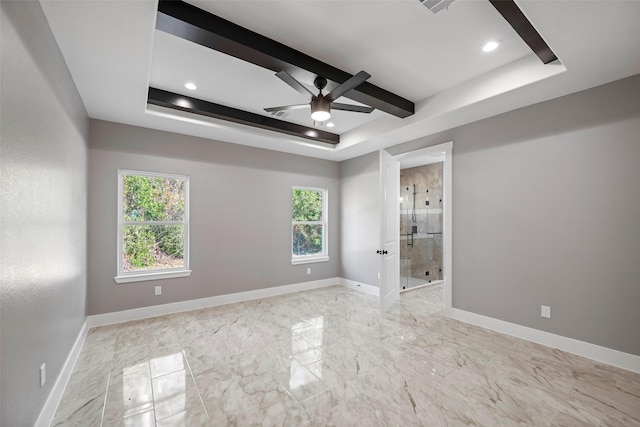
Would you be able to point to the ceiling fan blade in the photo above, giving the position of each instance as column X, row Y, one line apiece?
column 345, row 87
column 286, row 107
column 349, row 107
column 288, row 79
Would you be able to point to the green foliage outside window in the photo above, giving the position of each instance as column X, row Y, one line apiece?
column 307, row 207
column 139, row 243
column 151, row 200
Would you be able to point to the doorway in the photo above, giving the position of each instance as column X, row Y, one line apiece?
column 429, row 260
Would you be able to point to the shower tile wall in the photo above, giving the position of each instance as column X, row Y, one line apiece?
column 426, row 253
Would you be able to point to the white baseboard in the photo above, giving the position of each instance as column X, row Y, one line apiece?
column 362, row 287
column 51, row 405
column 176, row 307
column 609, row 356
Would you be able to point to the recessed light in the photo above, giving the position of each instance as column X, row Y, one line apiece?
column 182, row 102
column 330, row 125
column 491, row 46
column 190, row 86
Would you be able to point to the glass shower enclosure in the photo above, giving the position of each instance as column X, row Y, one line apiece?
column 420, row 225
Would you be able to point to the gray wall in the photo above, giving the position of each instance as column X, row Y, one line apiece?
column 360, row 219
column 43, row 211
column 240, row 213
column 546, row 204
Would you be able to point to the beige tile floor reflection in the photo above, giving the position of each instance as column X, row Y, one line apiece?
column 327, row 357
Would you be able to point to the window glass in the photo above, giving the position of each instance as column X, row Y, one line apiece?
column 309, row 224
column 153, row 226
column 307, row 239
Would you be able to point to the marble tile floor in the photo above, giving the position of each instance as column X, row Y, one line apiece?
column 327, row 357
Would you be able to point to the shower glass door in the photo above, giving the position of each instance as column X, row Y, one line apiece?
column 420, row 225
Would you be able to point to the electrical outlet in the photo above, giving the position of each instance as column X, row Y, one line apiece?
column 545, row 311
column 43, row 375
column 308, row 270
column 158, row 290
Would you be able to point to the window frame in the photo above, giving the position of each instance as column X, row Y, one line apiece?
column 324, row 255
column 157, row 274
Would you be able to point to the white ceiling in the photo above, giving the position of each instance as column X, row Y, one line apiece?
column 114, row 54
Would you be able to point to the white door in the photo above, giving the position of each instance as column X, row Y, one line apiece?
column 389, row 230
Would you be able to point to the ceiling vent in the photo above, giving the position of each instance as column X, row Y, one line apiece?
column 280, row 114
column 436, row 6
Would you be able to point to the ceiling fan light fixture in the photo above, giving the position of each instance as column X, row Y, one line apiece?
column 320, row 109
column 320, row 116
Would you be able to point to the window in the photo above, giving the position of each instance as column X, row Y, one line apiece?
column 308, row 225
column 153, row 226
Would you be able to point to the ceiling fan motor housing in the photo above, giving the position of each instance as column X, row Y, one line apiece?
column 320, row 83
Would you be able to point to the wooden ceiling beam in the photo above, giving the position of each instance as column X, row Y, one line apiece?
column 175, row 101
column 198, row 26
column 514, row 16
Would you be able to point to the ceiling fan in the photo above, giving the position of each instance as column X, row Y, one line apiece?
column 320, row 104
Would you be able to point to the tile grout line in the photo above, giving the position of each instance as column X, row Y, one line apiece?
column 153, row 397
column 106, row 392
column 184, row 354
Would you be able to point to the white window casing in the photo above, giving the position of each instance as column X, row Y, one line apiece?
column 323, row 256
column 159, row 273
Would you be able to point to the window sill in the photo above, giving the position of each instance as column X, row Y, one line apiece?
column 309, row 260
column 158, row 275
